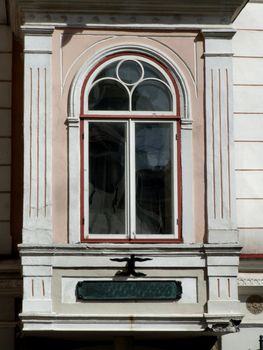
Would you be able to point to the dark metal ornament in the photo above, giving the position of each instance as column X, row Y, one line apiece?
column 129, row 269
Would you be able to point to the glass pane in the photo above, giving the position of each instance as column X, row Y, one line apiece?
column 152, row 72
column 153, row 151
column 130, row 72
column 108, row 72
column 107, row 178
column 151, row 95
column 108, row 95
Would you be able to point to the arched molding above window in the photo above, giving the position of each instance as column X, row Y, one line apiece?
column 74, row 106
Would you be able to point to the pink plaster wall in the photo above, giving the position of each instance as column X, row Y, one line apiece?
column 71, row 49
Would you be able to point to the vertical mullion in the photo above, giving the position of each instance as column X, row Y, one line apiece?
column 175, row 180
column 86, row 178
column 132, row 187
column 127, row 181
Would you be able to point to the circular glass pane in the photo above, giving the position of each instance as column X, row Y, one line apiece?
column 130, row 72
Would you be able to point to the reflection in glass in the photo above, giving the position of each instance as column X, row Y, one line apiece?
column 153, row 151
column 108, row 95
column 151, row 95
column 106, row 178
column 152, row 72
column 130, row 72
column 108, row 72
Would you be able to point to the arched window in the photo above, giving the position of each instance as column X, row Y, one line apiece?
column 130, row 85
column 130, row 135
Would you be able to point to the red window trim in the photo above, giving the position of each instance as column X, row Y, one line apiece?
column 251, row 256
column 175, row 117
column 82, row 114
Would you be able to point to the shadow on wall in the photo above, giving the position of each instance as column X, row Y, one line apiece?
column 41, row 343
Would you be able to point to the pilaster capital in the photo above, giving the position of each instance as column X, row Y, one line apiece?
column 186, row 124
column 37, row 30
column 218, row 33
column 37, row 39
column 72, row 122
column 218, row 42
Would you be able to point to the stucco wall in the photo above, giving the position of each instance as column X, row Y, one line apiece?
column 71, row 49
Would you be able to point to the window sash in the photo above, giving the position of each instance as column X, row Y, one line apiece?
column 130, row 183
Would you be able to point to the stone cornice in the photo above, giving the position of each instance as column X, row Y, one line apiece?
column 180, row 7
column 135, row 13
column 216, row 324
column 124, row 249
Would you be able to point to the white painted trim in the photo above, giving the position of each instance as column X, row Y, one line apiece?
column 130, row 184
column 186, row 140
column 166, row 81
column 121, row 323
column 37, row 199
column 42, row 280
column 86, row 179
column 188, row 230
column 221, row 210
column 74, row 179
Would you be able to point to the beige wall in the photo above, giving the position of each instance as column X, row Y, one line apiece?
column 248, row 121
column 71, row 49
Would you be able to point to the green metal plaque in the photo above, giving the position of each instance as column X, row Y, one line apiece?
column 128, row 290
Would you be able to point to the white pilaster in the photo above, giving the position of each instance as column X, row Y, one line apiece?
column 187, row 181
column 37, row 211
column 74, row 179
column 222, row 272
column 221, row 217
column 37, row 286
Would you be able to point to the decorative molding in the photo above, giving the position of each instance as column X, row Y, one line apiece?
column 37, row 30
column 73, row 122
column 187, row 124
column 210, row 12
column 37, row 52
column 219, row 33
column 180, row 322
column 254, row 304
column 250, row 282
column 61, row 266
column 218, row 54
column 169, row 255
column 191, row 322
column 128, row 22
column 232, row 326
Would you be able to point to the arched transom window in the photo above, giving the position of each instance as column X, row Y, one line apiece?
column 130, row 161
column 132, row 84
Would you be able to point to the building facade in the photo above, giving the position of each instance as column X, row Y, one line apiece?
column 131, row 164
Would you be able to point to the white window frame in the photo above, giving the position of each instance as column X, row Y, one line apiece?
column 136, row 58
column 130, row 183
